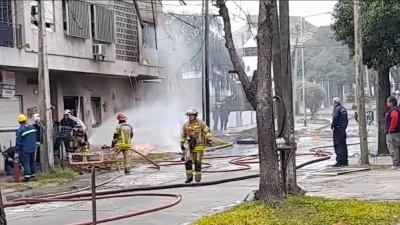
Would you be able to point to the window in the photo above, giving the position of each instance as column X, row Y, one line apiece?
column 148, row 35
column 48, row 14
column 96, row 111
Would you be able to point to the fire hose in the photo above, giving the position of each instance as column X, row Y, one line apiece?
column 242, row 161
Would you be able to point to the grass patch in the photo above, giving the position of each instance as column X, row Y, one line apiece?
column 300, row 210
column 218, row 142
column 57, row 175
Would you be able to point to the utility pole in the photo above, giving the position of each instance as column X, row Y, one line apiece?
column 206, row 75
column 360, row 83
column 294, row 71
column 302, row 72
column 289, row 135
column 46, row 147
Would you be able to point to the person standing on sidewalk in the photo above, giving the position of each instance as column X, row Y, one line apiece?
column 393, row 130
column 339, row 125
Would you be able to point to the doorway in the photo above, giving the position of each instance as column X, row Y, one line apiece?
column 75, row 105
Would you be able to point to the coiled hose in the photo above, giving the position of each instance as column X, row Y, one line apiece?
column 242, row 161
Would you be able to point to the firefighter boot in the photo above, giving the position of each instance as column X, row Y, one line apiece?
column 189, row 171
column 197, row 171
column 127, row 171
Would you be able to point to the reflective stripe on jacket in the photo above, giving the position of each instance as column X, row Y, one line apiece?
column 197, row 129
column 26, row 138
column 124, row 134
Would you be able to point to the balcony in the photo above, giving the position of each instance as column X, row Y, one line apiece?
column 10, row 35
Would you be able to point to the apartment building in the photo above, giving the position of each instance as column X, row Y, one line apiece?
column 99, row 54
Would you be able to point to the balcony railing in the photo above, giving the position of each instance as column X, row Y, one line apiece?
column 10, row 35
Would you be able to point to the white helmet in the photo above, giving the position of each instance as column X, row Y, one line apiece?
column 67, row 112
column 36, row 117
column 191, row 111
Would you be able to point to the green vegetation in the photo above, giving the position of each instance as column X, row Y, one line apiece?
column 56, row 176
column 315, row 95
column 330, row 64
column 216, row 142
column 308, row 211
column 381, row 41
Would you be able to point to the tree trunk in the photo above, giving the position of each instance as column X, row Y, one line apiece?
column 270, row 184
column 3, row 220
column 383, row 93
column 291, row 175
column 258, row 92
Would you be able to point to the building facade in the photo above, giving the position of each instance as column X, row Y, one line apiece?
column 100, row 54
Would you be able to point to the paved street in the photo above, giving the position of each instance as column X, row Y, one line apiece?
column 196, row 202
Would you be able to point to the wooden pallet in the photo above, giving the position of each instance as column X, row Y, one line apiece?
column 83, row 161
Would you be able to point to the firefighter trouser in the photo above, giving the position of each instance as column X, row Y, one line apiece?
column 80, row 146
column 127, row 154
column 196, row 158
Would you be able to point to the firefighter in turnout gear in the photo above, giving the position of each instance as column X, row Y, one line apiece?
column 80, row 144
column 123, row 135
column 194, row 138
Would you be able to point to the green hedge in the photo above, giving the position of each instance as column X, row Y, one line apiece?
column 298, row 210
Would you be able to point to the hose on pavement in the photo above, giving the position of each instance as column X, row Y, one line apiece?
column 242, row 161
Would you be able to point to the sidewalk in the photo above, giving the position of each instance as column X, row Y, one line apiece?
column 378, row 184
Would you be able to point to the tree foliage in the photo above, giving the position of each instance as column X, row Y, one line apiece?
column 380, row 30
column 330, row 63
column 187, row 31
column 315, row 95
column 381, row 41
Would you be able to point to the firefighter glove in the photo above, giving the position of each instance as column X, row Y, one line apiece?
column 113, row 143
column 183, row 148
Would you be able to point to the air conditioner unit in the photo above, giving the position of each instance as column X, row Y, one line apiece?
column 99, row 51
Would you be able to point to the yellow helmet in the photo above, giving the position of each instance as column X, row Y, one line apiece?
column 22, row 118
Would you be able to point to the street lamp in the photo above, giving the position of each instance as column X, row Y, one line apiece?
column 302, row 63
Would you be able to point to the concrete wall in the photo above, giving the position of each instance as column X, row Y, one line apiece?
column 115, row 92
column 67, row 53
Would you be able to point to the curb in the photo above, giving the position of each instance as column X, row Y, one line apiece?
column 212, row 149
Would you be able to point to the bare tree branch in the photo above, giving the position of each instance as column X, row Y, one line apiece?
column 236, row 61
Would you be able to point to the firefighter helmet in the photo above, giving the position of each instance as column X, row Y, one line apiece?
column 121, row 116
column 191, row 111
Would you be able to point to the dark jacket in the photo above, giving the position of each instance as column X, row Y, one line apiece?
column 39, row 132
column 26, row 139
column 389, row 120
column 67, row 122
column 225, row 111
column 340, row 117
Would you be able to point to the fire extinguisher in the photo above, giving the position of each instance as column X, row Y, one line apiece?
column 17, row 171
